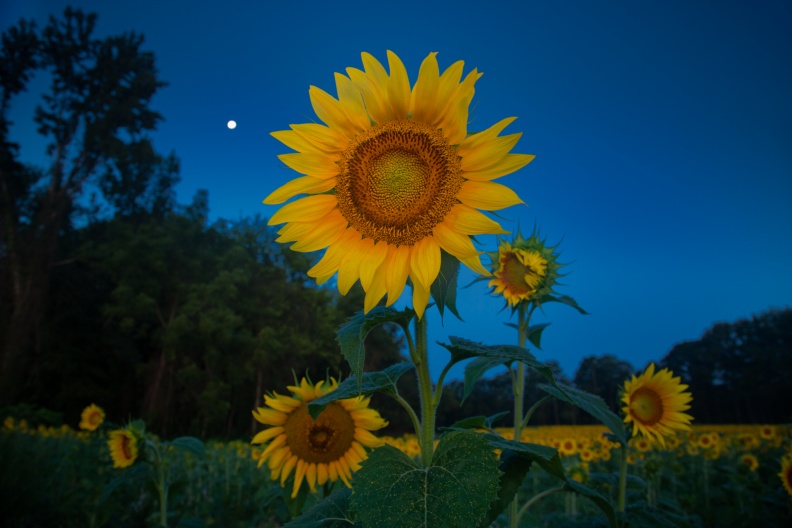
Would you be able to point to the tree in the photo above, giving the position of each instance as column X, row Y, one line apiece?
column 95, row 116
column 603, row 376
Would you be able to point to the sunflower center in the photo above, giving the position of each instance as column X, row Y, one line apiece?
column 646, row 406
column 323, row 440
column 126, row 447
column 521, row 271
column 397, row 181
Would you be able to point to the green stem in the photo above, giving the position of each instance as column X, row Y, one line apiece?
column 533, row 410
column 160, row 483
column 622, row 480
column 421, row 360
column 518, row 388
column 439, row 387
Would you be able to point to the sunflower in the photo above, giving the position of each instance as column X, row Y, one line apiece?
column 524, row 270
column 750, row 461
column 786, row 473
column 326, row 449
column 654, row 402
column 393, row 178
column 92, row 417
column 123, row 445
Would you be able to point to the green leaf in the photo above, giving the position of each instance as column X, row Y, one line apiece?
column 534, row 334
column 189, row 443
column 352, row 334
column 550, row 461
column 477, row 422
column 444, row 288
column 382, row 381
column 514, row 468
column 475, row 370
column 592, row 404
column 134, row 474
column 332, row 512
column 463, row 348
column 393, row 491
column 563, row 299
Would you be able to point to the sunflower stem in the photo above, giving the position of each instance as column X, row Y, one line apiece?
column 622, row 480
column 518, row 387
column 428, row 408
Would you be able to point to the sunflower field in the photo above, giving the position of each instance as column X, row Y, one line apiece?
column 727, row 475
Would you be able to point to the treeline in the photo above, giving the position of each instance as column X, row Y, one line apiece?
column 112, row 292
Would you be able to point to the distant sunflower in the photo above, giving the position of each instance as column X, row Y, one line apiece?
column 786, row 473
column 123, row 445
column 750, row 461
column 91, row 418
column 654, row 402
column 326, row 449
column 393, row 178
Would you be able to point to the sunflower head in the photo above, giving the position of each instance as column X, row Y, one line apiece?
column 654, row 403
column 323, row 450
column 525, row 270
column 124, row 446
column 786, row 473
column 393, row 180
column 91, row 418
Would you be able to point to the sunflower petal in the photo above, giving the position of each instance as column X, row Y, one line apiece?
column 423, row 105
column 489, row 153
column 425, row 261
column 302, row 185
column 509, row 164
column 471, row 222
column 308, row 209
column 396, row 274
column 329, row 110
column 488, row 196
column 327, row 230
column 398, row 87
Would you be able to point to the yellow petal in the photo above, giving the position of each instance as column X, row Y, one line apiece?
column 474, row 263
column 469, row 221
column 454, row 121
column 488, row 196
column 352, row 103
column 318, row 165
column 327, row 230
column 294, row 141
column 510, row 163
column 425, row 261
column 301, row 185
column 420, row 300
column 329, row 110
column 375, row 292
column 266, row 435
column 310, row 476
column 488, row 154
column 398, row 87
column 479, row 139
column 396, row 274
column 448, row 84
column 269, row 416
column 321, row 474
column 324, row 138
column 308, row 209
column 455, row 243
column 424, row 102
column 299, row 474
column 349, row 269
column 366, row 438
column 287, row 469
column 375, row 256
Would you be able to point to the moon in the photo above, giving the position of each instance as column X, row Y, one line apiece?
column 232, row 124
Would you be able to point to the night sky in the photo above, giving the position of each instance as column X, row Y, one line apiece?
column 662, row 133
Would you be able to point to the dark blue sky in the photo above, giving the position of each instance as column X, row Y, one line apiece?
column 662, row 133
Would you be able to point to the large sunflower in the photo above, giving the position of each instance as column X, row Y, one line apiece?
column 326, row 449
column 654, row 402
column 393, row 178
column 786, row 473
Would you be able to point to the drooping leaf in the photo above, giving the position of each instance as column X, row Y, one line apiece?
column 383, row 381
column 393, row 491
column 475, row 370
column 332, row 512
column 563, row 299
column 352, row 334
column 189, row 443
column 505, row 354
column 444, row 288
column 478, row 422
column 534, row 334
column 514, row 468
column 592, row 404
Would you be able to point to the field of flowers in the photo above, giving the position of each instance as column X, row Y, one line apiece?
column 724, row 475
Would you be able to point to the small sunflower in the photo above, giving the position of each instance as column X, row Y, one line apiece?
column 91, row 418
column 750, row 461
column 123, row 445
column 393, row 178
column 524, row 270
column 326, row 449
column 786, row 473
column 654, row 402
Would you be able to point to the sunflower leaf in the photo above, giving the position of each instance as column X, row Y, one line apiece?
column 495, row 354
column 382, row 381
column 563, row 299
column 535, row 334
column 592, row 404
column 189, row 443
column 549, row 460
column 455, row 491
column 332, row 512
column 514, row 468
column 477, row 422
column 444, row 288
column 352, row 334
